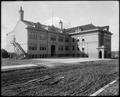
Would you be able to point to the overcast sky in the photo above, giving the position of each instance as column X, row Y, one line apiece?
column 99, row 13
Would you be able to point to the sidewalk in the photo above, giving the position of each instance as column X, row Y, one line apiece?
column 112, row 90
column 50, row 63
column 5, row 68
column 69, row 60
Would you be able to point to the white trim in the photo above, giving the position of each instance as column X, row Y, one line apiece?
column 103, row 88
column 83, row 31
column 17, row 66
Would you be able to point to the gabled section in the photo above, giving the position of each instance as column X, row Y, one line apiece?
column 81, row 28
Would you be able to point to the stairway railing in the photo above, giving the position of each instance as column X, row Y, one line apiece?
column 19, row 50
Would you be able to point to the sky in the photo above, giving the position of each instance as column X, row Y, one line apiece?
column 77, row 13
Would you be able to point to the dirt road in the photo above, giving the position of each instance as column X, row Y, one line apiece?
column 73, row 80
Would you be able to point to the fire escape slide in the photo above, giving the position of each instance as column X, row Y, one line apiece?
column 20, row 50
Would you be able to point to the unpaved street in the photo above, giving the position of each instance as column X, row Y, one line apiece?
column 73, row 80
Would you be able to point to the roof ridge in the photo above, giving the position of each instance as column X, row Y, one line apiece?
column 82, row 26
column 28, row 21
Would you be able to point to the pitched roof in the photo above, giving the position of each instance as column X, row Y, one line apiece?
column 69, row 30
column 45, row 27
column 29, row 23
column 102, row 27
column 87, row 27
column 83, row 27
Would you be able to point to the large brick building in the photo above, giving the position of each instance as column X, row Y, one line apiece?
column 36, row 40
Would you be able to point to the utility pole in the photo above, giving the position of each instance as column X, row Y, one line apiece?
column 52, row 17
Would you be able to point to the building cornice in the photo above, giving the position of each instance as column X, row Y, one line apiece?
column 89, row 31
column 84, row 32
column 46, row 31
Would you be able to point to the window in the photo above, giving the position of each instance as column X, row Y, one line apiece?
column 73, row 48
column 66, row 48
column 67, row 54
column 33, row 35
column 83, row 39
column 60, row 39
column 73, row 54
column 39, row 55
column 83, row 49
column 42, row 48
column 32, row 55
column 42, row 36
column 80, row 29
column 42, row 55
column 73, row 40
column 35, row 55
column 53, row 38
column 60, row 48
column 67, row 40
column 32, row 46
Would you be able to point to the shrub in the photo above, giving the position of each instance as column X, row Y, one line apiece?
column 4, row 53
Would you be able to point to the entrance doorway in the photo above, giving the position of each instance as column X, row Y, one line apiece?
column 52, row 50
column 100, row 54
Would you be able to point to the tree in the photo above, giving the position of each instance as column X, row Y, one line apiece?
column 4, row 53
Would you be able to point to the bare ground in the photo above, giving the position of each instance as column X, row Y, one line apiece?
column 73, row 80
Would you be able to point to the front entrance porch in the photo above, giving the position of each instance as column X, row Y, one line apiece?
column 101, row 52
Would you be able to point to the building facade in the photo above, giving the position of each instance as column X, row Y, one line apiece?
column 39, row 41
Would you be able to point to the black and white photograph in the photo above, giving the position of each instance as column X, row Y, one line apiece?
column 59, row 48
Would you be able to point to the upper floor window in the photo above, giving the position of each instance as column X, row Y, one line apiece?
column 73, row 40
column 83, row 39
column 73, row 48
column 53, row 38
column 67, row 40
column 66, row 48
column 83, row 49
column 60, row 39
column 33, row 36
column 60, row 48
column 42, row 36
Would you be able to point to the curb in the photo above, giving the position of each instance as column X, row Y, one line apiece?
column 15, row 67
column 103, row 88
